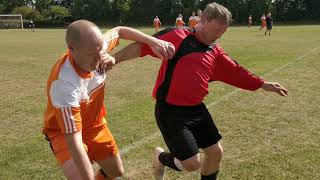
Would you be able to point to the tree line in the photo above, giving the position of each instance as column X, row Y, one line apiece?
column 142, row 12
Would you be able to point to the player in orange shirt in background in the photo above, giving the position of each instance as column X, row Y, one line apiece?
column 179, row 21
column 74, row 121
column 156, row 23
column 199, row 15
column 263, row 21
column 192, row 20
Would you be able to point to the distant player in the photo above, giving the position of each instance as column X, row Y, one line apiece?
column 269, row 22
column 193, row 20
column 199, row 15
column 263, row 21
column 179, row 21
column 31, row 25
column 250, row 21
column 156, row 23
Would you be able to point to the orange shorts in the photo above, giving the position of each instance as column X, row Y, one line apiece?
column 97, row 141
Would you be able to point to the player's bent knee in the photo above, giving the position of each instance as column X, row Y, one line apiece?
column 70, row 171
column 214, row 151
column 192, row 164
column 115, row 172
column 118, row 172
column 218, row 151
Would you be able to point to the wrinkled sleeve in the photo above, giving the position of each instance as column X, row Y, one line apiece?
column 229, row 71
column 66, row 99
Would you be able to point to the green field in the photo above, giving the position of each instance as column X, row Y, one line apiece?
column 265, row 136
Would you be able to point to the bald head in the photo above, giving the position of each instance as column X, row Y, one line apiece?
column 82, row 32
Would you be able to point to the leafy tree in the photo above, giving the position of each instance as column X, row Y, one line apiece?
column 165, row 13
column 2, row 8
column 27, row 12
column 189, row 6
column 78, row 9
column 9, row 5
column 312, row 10
column 43, row 5
column 120, row 10
column 143, row 11
column 58, row 13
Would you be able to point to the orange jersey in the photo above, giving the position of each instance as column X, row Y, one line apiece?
column 179, row 22
column 263, row 21
column 75, row 99
column 156, row 22
column 193, row 21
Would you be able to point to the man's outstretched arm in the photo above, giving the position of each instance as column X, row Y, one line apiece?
column 162, row 49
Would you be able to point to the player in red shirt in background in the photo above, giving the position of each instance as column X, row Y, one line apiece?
column 182, row 83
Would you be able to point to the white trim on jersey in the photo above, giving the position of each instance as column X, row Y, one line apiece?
column 64, row 120
column 108, row 37
column 68, row 119
column 74, row 128
column 70, row 89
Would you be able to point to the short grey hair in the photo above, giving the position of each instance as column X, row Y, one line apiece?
column 75, row 29
column 217, row 12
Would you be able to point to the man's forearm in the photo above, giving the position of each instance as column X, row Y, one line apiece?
column 134, row 35
column 130, row 52
column 79, row 155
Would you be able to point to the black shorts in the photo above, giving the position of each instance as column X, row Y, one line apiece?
column 185, row 129
column 269, row 27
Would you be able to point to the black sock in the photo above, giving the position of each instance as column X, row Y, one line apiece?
column 167, row 159
column 103, row 173
column 210, row 177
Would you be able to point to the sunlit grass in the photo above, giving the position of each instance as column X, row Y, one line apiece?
column 264, row 136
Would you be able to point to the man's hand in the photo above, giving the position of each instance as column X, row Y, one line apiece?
column 106, row 61
column 275, row 87
column 162, row 49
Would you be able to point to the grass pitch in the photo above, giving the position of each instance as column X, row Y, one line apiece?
column 265, row 136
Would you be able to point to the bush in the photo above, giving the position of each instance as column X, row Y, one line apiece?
column 50, row 24
column 58, row 13
column 27, row 12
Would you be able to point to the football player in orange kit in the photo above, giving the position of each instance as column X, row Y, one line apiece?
column 193, row 20
column 156, row 23
column 74, row 121
column 179, row 21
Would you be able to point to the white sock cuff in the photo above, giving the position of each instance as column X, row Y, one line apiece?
column 178, row 164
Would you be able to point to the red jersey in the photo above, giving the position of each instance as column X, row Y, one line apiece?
column 194, row 71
